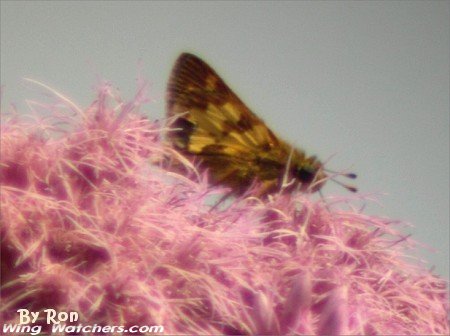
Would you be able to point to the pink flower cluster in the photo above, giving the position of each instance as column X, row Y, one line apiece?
column 93, row 221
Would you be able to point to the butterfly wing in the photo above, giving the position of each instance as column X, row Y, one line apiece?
column 214, row 124
column 211, row 114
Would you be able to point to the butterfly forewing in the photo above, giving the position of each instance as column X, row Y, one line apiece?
column 196, row 92
column 213, row 124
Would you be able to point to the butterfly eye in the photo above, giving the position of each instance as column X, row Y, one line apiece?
column 305, row 174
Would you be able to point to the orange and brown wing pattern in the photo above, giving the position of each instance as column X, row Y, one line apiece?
column 215, row 124
column 211, row 114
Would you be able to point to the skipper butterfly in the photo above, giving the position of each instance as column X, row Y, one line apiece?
column 232, row 143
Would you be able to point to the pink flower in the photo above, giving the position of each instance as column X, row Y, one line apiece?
column 94, row 221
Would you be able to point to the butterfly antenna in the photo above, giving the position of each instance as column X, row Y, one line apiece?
column 346, row 186
column 347, row 175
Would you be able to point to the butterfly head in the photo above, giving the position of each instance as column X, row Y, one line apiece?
column 310, row 174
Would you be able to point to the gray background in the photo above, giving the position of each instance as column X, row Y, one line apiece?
column 367, row 81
